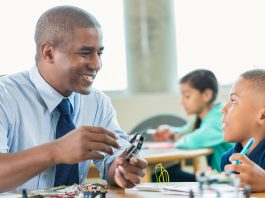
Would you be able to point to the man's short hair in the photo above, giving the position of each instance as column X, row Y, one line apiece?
column 256, row 78
column 57, row 25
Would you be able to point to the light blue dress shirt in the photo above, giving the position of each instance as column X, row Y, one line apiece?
column 28, row 118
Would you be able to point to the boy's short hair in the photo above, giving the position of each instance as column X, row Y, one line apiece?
column 256, row 77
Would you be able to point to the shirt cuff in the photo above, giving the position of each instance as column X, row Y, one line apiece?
column 103, row 165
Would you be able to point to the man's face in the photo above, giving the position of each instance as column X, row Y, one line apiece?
column 240, row 113
column 78, row 62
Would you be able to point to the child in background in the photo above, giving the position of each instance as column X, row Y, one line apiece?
column 199, row 91
column 244, row 118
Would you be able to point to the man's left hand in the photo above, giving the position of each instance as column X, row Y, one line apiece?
column 128, row 174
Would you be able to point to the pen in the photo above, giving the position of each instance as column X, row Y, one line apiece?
column 245, row 149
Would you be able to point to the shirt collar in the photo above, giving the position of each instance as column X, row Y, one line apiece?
column 215, row 108
column 50, row 96
column 255, row 154
column 238, row 147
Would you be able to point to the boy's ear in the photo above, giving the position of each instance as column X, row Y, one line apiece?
column 207, row 95
column 47, row 52
column 261, row 118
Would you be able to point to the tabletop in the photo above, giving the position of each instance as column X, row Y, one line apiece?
column 131, row 193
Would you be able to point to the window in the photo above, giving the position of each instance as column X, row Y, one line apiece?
column 227, row 37
column 17, row 37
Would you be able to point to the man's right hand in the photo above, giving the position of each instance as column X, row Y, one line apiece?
column 83, row 143
column 163, row 133
column 78, row 145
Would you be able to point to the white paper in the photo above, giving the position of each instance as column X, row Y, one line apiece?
column 153, row 187
column 224, row 189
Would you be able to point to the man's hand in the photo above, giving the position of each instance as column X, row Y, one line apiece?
column 78, row 145
column 249, row 172
column 127, row 174
column 163, row 133
column 84, row 143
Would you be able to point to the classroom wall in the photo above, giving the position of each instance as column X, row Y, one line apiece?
column 132, row 109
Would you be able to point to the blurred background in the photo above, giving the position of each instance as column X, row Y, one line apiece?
column 149, row 45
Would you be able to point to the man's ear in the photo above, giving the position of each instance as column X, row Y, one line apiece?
column 261, row 117
column 47, row 52
column 207, row 95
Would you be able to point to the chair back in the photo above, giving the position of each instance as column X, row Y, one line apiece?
column 156, row 120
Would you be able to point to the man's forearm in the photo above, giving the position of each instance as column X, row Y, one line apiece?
column 17, row 168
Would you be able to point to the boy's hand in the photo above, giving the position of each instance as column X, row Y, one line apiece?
column 249, row 172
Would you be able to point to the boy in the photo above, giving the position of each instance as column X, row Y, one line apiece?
column 244, row 118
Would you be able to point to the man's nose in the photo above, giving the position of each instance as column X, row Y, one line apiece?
column 95, row 62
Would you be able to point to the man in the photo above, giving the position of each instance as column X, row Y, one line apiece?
column 52, row 123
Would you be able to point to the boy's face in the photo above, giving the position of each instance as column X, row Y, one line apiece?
column 241, row 112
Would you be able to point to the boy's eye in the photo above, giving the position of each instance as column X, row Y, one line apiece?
column 233, row 101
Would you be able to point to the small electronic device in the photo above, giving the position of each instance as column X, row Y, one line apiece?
column 96, row 190
column 136, row 145
column 225, row 184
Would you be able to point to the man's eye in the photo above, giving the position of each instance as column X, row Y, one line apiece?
column 100, row 53
column 83, row 53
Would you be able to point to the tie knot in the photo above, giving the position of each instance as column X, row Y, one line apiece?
column 65, row 107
